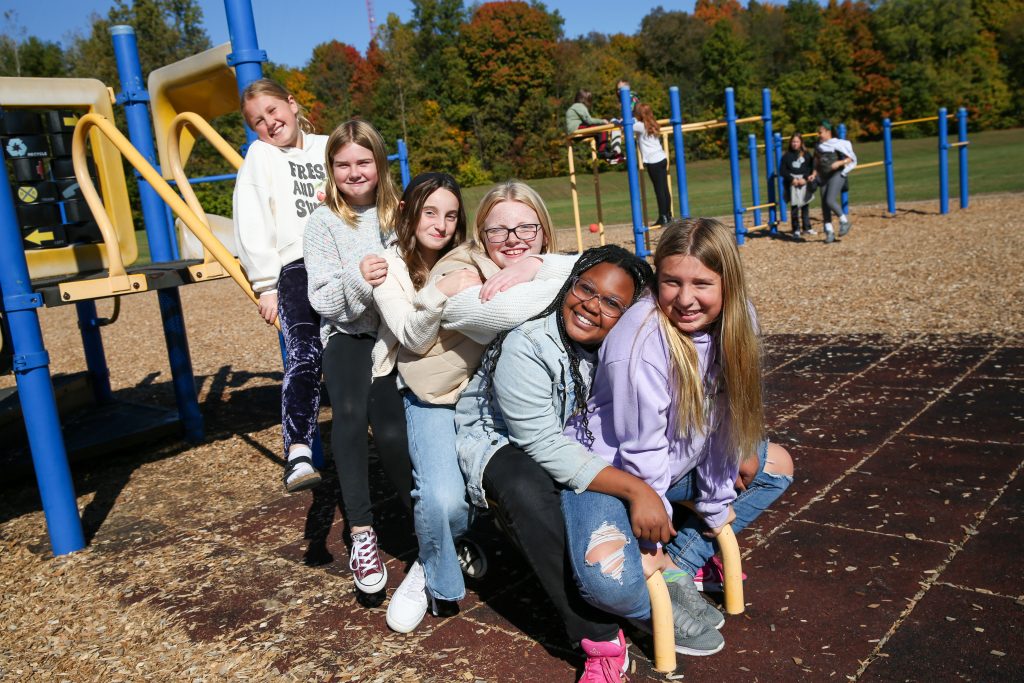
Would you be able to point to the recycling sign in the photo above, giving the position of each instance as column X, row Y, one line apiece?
column 16, row 147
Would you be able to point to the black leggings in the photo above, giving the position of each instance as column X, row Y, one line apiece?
column 659, row 178
column 530, row 510
column 358, row 402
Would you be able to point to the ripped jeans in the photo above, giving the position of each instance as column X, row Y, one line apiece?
column 617, row 584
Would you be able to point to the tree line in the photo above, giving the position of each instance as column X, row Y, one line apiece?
column 481, row 91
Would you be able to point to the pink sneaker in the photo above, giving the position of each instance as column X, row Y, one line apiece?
column 370, row 574
column 711, row 576
column 606, row 662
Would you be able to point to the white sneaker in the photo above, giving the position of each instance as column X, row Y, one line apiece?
column 409, row 603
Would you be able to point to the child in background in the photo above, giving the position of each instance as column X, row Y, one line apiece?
column 343, row 241
column 578, row 116
column 275, row 193
column 684, row 368
column 431, row 222
column 648, row 133
column 833, row 161
column 797, row 170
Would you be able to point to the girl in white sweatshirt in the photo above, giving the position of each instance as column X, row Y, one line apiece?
column 278, row 187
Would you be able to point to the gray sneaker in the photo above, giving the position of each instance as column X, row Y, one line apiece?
column 694, row 635
column 844, row 227
column 830, row 236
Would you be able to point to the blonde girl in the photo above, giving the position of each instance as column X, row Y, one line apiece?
column 684, row 367
column 343, row 241
column 274, row 195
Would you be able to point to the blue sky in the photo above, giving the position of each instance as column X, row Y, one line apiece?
column 288, row 38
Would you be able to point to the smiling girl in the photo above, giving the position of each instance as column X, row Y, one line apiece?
column 272, row 201
column 343, row 241
column 677, row 403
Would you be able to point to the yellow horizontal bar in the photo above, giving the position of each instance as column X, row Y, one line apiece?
column 761, row 206
column 960, row 144
column 894, row 124
column 868, row 165
column 748, row 119
column 758, row 227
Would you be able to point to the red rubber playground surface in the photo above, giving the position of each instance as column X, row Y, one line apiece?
column 895, row 555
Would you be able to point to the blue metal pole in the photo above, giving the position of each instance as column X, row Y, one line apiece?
column 35, row 390
column 755, row 180
column 92, row 343
column 780, row 185
column 943, row 162
column 771, row 170
column 246, row 55
column 403, row 162
column 134, row 98
column 841, row 129
column 677, row 142
column 961, row 117
column 734, row 163
column 890, row 179
column 639, row 229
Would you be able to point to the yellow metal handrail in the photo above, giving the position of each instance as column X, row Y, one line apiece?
column 199, row 125
column 118, row 276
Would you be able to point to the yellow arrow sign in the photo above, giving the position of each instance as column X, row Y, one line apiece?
column 37, row 237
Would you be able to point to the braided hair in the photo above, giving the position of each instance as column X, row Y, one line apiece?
column 643, row 277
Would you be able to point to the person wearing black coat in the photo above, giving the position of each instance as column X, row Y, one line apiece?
column 799, row 178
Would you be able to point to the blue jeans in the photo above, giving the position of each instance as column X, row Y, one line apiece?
column 621, row 589
column 440, row 507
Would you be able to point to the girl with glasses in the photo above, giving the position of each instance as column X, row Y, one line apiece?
column 511, row 448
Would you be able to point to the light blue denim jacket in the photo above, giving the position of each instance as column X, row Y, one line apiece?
column 527, row 404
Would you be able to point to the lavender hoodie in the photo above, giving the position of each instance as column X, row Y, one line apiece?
column 632, row 409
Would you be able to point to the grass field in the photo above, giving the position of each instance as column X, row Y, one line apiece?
column 994, row 166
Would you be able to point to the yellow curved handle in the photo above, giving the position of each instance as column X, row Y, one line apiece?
column 733, row 569
column 199, row 125
column 662, row 627
column 115, row 264
column 194, row 223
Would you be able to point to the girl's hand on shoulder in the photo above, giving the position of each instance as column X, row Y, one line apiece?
column 714, row 531
column 457, row 281
column 509, row 277
column 649, row 518
column 268, row 307
column 374, row 269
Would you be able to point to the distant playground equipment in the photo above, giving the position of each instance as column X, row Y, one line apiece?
column 772, row 157
column 63, row 241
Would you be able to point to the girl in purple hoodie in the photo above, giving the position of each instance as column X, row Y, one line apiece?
column 677, row 402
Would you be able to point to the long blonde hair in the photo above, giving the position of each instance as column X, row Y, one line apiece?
column 739, row 346
column 266, row 86
column 365, row 135
column 514, row 190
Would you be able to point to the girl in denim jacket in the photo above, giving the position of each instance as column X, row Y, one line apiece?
column 509, row 424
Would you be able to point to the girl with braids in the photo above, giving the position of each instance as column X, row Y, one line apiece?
column 677, row 402
column 511, row 448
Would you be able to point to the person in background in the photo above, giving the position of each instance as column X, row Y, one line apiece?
column 798, row 176
column 833, row 161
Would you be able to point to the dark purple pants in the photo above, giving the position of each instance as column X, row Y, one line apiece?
column 300, row 327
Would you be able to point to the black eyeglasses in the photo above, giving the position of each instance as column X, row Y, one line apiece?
column 526, row 232
column 584, row 291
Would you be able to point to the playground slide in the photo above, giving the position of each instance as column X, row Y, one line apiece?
column 118, row 281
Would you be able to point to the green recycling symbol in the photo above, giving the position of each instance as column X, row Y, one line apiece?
column 16, row 147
